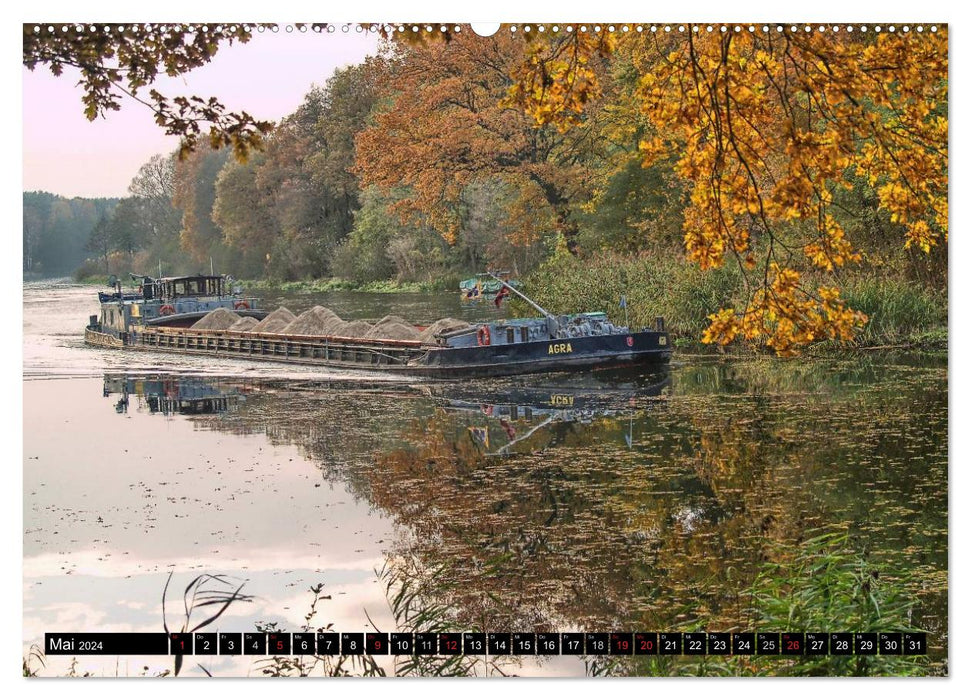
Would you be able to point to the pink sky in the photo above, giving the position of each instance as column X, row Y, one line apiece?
column 66, row 154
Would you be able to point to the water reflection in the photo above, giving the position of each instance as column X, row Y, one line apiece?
column 625, row 502
column 175, row 395
column 547, row 503
column 499, row 419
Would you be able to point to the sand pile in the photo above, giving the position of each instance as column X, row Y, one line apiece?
column 392, row 319
column 216, row 320
column 442, row 325
column 316, row 321
column 275, row 322
column 353, row 329
column 246, row 323
column 388, row 328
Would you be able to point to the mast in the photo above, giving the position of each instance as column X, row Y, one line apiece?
column 522, row 296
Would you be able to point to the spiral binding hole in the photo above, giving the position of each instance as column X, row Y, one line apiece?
column 526, row 29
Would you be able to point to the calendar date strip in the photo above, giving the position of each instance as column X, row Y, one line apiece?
column 488, row 643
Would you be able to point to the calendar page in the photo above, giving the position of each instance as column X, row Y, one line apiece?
column 533, row 349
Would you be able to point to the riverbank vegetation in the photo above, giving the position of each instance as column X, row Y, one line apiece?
column 775, row 192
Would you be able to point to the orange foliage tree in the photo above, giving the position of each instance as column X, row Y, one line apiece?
column 447, row 124
column 765, row 126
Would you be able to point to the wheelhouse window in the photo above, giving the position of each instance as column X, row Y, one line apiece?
column 192, row 287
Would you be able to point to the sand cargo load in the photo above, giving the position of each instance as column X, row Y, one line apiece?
column 204, row 315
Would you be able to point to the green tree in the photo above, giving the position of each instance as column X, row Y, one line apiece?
column 57, row 229
column 195, row 195
column 241, row 213
column 129, row 227
column 154, row 187
column 364, row 255
column 99, row 242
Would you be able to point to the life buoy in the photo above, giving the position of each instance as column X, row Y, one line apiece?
column 241, row 305
column 483, row 336
column 166, row 310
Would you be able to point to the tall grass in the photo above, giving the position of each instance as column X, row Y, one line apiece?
column 215, row 593
column 653, row 285
column 901, row 312
column 823, row 584
column 826, row 583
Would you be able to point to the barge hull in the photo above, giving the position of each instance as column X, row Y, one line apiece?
column 404, row 357
column 559, row 355
column 102, row 340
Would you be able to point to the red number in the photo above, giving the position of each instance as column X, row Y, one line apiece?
column 377, row 644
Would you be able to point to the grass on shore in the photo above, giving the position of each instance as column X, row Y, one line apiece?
column 901, row 313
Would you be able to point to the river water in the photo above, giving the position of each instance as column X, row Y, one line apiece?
column 601, row 502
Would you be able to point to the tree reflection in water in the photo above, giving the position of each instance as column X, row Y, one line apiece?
column 640, row 502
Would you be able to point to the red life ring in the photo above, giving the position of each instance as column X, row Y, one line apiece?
column 241, row 305
column 483, row 336
column 166, row 310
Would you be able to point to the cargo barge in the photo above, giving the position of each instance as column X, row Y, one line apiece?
column 159, row 315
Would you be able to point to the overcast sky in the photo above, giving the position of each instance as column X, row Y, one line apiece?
column 66, row 154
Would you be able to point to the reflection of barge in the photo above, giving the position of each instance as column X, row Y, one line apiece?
column 169, row 395
column 157, row 318
column 502, row 421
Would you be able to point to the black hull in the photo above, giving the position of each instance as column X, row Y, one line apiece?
column 564, row 355
column 411, row 359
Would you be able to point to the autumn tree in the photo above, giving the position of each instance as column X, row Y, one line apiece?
column 195, row 194
column 113, row 61
column 766, row 129
column 446, row 125
column 294, row 204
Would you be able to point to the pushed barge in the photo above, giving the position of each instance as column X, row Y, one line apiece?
column 156, row 318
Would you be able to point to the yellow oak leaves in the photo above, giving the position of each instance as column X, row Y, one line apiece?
column 768, row 125
column 766, row 128
column 783, row 316
column 556, row 81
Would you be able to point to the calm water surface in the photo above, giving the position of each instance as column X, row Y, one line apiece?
column 596, row 502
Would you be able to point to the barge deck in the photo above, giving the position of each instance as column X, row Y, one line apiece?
column 403, row 356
